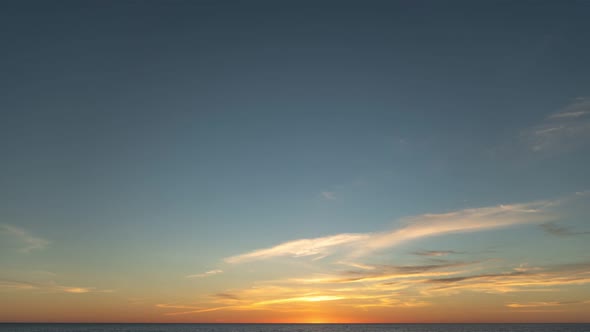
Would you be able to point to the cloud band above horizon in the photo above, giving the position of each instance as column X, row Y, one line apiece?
column 426, row 225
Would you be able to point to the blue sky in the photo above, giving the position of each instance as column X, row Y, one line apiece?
column 154, row 140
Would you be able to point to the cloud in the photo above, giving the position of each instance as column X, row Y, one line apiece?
column 543, row 304
column 534, row 279
column 50, row 286
column 83, row 290
column 351, row 279
column 435, row 253
column 16, row 285
column 205, row 274
column 554, row 229
column 391, row 286
column 387, row 272
column 227, row 296
column 301, row 248
column 329, row 195
column 29, row 241
column 427, row 225
column 563, row 130
column 293, row 299
column 580, row 107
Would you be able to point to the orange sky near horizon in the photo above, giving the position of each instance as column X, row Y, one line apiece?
column 454, row 309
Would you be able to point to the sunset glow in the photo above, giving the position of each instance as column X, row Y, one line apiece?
column 295, row 161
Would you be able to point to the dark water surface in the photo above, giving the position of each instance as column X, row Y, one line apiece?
column 9, row 327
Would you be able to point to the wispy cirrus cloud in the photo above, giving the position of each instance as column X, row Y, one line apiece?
column 519, row 305
column 532, row 279
column 302, row 248
column 435, row 253
column 381, row 273
column 554, row 229
column 82, row 290
column 329, row 195
column 580, row 107
column 391, row 286
column 564, row 130
column 16, row 285
column 205, row 274
column 427, row 225
column 49, row 286
column 29, row 242
column 352, row 279
column 227, row 296
column 293, row 299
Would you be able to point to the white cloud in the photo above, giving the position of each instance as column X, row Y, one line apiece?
column 302, row 247
column 29, row 241
column 330, row 195
column 205, row 274
column 468, row 220
column 580, row 107
column 427, row 225
column 563, row 130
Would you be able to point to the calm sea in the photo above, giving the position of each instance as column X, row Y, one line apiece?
column 294, row 327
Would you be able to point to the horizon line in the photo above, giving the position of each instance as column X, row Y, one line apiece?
column 327, row 323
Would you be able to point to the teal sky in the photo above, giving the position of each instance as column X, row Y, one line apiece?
column 146, row 141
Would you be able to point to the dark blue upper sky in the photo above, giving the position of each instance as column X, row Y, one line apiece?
column 283, row 118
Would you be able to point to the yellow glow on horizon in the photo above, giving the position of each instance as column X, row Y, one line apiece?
column 77, row 290
column 309, row 291
column 318, row 298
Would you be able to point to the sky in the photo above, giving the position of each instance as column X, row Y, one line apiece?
column 294, row 161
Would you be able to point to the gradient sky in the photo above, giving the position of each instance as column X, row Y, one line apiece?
column 294, row 161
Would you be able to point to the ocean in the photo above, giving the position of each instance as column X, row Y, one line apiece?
column 10, row 327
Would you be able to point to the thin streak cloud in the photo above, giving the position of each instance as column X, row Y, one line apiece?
column 205, row 274
column 397, row 286
column 388, row 272
column 52, row 287
column 554, row 229
column 302, row 247
column 543, row 304
column 580, row 107
column 29, row 241
column 427, row 225
column 435, row 253
column 561, row 131
column 542, row 279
